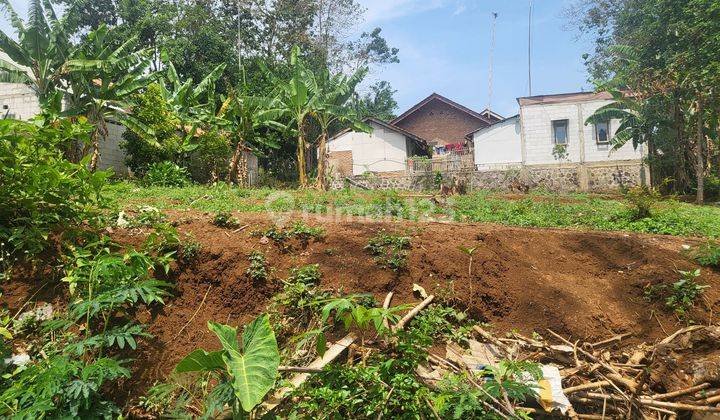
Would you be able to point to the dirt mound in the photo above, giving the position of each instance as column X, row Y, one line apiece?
column 585, row 285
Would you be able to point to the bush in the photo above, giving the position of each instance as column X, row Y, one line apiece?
column 641, row 200
column 152, row 111
column 42, row 192
column 166, row 174
column 708, row 254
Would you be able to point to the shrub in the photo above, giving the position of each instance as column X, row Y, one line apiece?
column 708, row 254
column 42, row 192
column 152, row 110
column 166, row 174
column 684, row 292
column 225, row 219
column 641, row 200
column 390, row 251
column 257, row 270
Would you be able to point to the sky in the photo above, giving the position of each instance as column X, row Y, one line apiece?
column 445, row 48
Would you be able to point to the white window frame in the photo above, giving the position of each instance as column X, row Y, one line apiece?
column 567, row 131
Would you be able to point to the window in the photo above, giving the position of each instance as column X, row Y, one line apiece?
column 602, row 132
column 560, row 131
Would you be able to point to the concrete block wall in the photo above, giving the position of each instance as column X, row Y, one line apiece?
column 20, row 100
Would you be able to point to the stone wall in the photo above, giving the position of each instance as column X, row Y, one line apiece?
column 610, row 176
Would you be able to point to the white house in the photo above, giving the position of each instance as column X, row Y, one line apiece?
column 384, row 150
column 550, row 133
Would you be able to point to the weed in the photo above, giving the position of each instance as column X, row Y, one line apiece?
column 147, row 216
column 469, row 252
column 298, row 230
column 708, row 254
column 164, row 239
column 225, row 219
column 189, row 248
column 257, row 270
column 684, row 292
column 641, row 200
column 390, row 251
column 681, row 295
column 438, row 321
column 166, row 174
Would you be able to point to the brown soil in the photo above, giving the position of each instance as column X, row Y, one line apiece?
column 585, row 285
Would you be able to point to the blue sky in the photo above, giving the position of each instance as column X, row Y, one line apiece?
column 444, row 48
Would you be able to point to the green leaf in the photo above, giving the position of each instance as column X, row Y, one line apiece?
column 201, row 361
column 253, row 371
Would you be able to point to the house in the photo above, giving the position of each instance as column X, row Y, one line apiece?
column 383, row 151
column 443, row 122
column 549, row 136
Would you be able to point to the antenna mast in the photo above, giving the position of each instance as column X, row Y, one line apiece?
column 529, row 48
column 492, row 50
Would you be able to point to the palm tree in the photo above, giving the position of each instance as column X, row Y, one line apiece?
column 38, row 58
column 331, row 94
column 101, row 82
column 295, row 99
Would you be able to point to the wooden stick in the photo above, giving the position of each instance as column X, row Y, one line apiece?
column 489, row 337
column 583, row 387
column 386, row 305
column 414, row 311
column 299, row 369
column 330, row 355
column 681, row 392
column 615, row 376
column 710, row 400
column 681, row 331
column 611, row 340
column 679, row 406
column 706, row 394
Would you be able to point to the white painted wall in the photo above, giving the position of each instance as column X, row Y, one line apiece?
column 537, row 126
column 382, row 150
column 23, row 104
column 499, row 145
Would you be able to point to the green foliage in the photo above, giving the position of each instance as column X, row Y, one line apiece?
column 641, row 200
column 708, row 254
column 442, row 322
column 42, row 192
column 685, row 292
column 300, row 294
column 257, row 269
column 166, row 174
column 189, row 248
column 298, row 230
column 360, row 311
column 250, row 366
column 142, row 154
column 679, row 296
column 225, row 219
column 390, row 251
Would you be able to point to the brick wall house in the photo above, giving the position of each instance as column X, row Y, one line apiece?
column 441, row 121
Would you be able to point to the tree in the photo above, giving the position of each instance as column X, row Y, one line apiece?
column 245, row 117
column 379, row 102
column 39, row 55
column 294, row 96
column 102, row 82
column 331, row 94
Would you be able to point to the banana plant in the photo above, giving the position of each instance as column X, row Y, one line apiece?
column 295, row 98
column 245, row 116
column 102, row 81
column 331, row 93
column 250, row 366
column 630, row 111
column 38, row 57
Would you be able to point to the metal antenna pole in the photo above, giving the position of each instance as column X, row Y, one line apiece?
column 492, row 50
column 529, row 48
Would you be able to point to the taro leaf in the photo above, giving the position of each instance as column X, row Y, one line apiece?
column 254, row 368
column 200, row 361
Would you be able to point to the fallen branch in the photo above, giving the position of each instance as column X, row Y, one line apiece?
column 332, row 353
column 681, row 392
column 583, row 387
column 386, row 305
column 299, row 369
column 193, row 315
column 611, row 340
column 681, row 331
column 414, row 311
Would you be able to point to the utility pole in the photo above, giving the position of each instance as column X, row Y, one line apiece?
column 492, row 50
column 529, row 48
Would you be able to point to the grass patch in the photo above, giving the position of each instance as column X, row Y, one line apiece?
column 538, row 209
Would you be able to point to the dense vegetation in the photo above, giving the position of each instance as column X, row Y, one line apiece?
column 661, row 61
